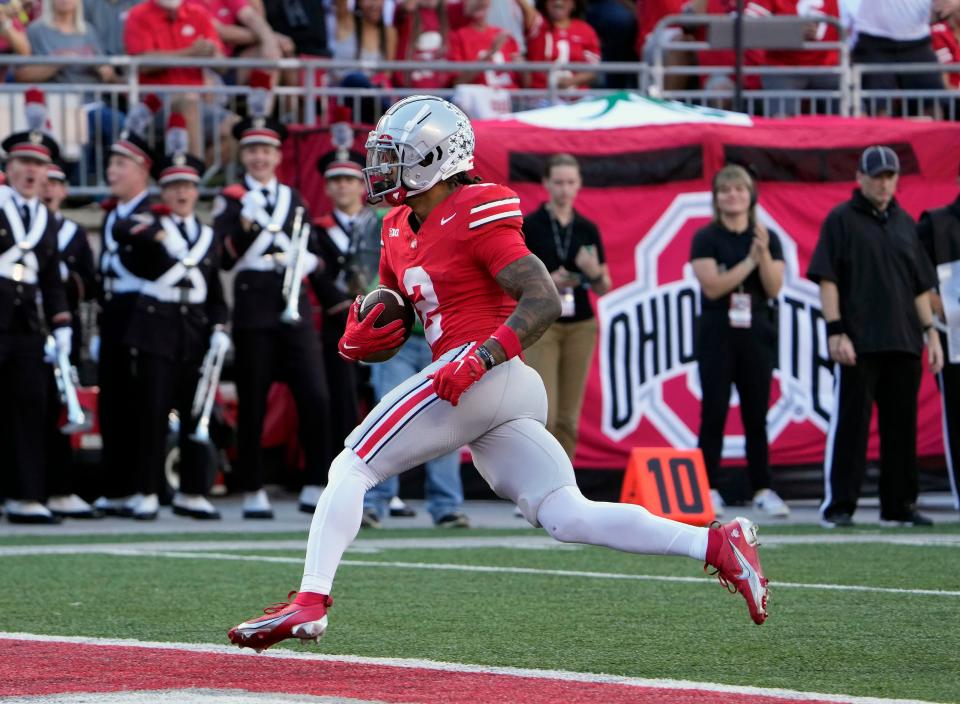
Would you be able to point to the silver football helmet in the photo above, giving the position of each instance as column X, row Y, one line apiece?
column 418, row 142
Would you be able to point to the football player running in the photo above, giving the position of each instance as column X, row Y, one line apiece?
column 455, row 248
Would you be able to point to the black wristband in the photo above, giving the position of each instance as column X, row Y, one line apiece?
column 484, row 354
column 928, row 327
column 834, row 327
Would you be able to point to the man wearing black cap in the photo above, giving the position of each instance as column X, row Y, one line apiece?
column 180, row 312
column 79, row 276
column 128, row 173
column 349, row 241
column 255, row 221
column 939, row 232
column 874, row 290
column 29, row 264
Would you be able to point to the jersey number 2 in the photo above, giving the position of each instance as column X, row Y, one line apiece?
column 419, row 286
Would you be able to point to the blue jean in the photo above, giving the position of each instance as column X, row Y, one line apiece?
column 444, row 488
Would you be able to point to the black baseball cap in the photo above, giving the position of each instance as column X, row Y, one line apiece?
column 877, row 160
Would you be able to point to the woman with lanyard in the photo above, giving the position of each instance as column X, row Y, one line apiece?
column 739, row 264
column 570, row 247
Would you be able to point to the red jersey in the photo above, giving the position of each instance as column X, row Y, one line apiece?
column 726, row 57
column 448, row 267
column 649, row 12
column 426, row 47
column 151, row 28
column 947, row 47
column 577, row 42
column 824, row 32
column 471, row 44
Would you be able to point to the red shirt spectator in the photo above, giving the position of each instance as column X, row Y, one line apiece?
column 423, row 30
column 649, row 12
column 818, row 32
column 187, row 30
column 479, row 41
column 726, row 57
column 574, row 41
column 947, row 47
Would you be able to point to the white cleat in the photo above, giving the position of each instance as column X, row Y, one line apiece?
column 767, row 501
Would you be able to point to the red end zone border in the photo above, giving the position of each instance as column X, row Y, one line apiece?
column 47, row 665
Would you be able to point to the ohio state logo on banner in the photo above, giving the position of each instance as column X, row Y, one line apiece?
column 648, row 367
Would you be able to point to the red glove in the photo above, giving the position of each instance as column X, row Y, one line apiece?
column 361, row 339
column 453, row 378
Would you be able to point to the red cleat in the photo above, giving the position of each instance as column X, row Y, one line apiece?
column 732, row 551
column 305, row 618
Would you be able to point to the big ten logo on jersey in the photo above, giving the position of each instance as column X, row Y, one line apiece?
column 648, row 362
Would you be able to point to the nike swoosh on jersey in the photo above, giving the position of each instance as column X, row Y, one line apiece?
column 445, row 220
column 350, row 347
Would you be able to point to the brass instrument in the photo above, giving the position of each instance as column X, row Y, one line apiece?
column 66, row 378
column 293, row 273
column 206, row 393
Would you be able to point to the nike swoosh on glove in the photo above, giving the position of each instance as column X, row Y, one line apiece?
column 361, row 339
column 453, row 378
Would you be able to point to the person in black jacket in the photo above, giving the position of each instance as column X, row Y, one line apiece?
column 79, row 279
column 939, row 232
column 739, row 264
column 349, row 243
column 128, row 173
column 255, row 221
column 875, row 282
column 180, row 312
column 29, row 265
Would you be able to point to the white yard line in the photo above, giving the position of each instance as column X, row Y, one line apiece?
column 514, row 542
column 564, row 675
column 131, row 551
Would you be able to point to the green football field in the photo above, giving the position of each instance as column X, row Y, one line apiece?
column 866, row 612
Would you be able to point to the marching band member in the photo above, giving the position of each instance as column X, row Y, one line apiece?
column 78, row 274
column 128, row 173
column 29, row 264
column 179, row 312
column 256, row 221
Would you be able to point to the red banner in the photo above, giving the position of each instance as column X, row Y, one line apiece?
column 647, row 188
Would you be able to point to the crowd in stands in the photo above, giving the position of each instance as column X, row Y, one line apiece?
column 499, row 31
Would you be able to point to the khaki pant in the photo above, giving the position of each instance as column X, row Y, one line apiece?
column 562, row 358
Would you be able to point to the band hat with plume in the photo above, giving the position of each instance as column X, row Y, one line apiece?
column 132, row 142
column 258, row 127
column 178, row 164
column 34, row 143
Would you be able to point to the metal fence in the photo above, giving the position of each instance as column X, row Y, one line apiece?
column 87, row 117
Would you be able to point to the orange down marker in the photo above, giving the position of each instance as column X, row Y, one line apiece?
column 669, row 483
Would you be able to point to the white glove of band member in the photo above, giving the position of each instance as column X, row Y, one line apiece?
column 94, row 348
column 220, row 341
column 64, row 339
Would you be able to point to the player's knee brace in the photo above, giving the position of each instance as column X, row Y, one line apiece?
column 348, row 464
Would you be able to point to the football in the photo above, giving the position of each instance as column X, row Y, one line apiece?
column 396, row 307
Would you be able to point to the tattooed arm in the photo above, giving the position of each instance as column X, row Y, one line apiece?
column 538, row 303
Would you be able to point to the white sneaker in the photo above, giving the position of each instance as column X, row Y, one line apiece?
column 123, row 506
column 147, row 508
column 309, row 496
column 72, row 506
column 194, row 506
column 766, row 500
column 28, row 512
column 719, row 507
column 257, row 505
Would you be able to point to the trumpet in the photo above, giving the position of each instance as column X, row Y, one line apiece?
column 293, row 273
column 206, row 393
column 65, row 375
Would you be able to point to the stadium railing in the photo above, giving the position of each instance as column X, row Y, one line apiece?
column 86, row 131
